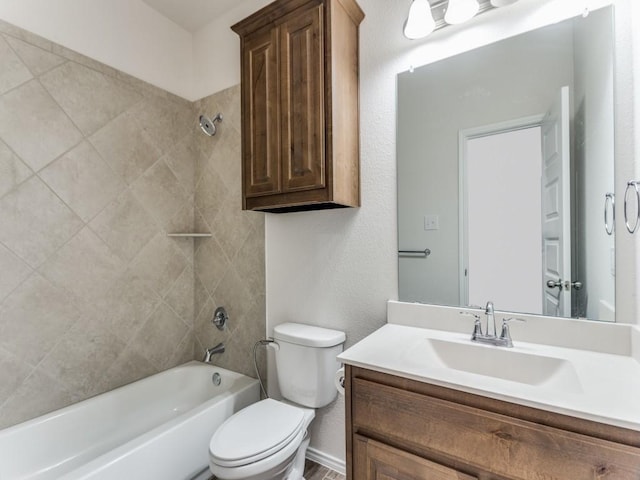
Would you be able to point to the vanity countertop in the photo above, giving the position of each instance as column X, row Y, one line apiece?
column 593, row 385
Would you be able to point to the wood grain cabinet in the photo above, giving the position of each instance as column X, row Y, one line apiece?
column 300, row 127
column 403, row 429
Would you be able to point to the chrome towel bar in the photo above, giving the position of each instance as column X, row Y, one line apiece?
column 415, row 253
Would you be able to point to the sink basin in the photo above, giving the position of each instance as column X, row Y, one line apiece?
column 496, row 362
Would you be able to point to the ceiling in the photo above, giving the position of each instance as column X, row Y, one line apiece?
column 192, row 14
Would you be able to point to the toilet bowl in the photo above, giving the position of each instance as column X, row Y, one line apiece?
column 268, row 440
column 261, row 442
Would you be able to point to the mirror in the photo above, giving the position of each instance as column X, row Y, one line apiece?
column 505, row 169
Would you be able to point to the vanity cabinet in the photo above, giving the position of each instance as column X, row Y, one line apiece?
column 403, row 429
column 300, row 127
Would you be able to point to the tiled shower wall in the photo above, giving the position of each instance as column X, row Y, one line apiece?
column 96, row 168
column 230, row 268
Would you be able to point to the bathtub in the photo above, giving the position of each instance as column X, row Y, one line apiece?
column 157, row 429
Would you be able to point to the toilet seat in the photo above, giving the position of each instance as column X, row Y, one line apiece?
column 257, row 432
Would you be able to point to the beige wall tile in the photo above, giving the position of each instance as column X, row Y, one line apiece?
column 166, row 122
column 12, row 71
column 125, row 226
column 85, row 267
column 90, row 98
column 14, row 272
column 12, row 170
column 33, row 318
column 159, row 191
column 35, row 223
column 211, row 264
column 83, row 180
column 181, row 161
column 79, row 360
column 159, row 336
column 37, row 395
column 125, row 146
column 12, row 373
column 180, row 298
column 34, row 126
column 126, row 306
column 37, row 60
column 159, row 264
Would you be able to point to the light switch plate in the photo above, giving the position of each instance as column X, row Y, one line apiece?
column 431, row 222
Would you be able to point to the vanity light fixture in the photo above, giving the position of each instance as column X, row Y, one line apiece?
column 425, row 16
column 459, row 11
column 420, row 22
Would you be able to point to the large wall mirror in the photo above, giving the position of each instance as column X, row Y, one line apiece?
column 506, row 174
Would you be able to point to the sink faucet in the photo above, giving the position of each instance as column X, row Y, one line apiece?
column 210, row 352
column 491, row 320
column 491, row 337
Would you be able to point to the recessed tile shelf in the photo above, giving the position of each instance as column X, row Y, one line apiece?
column 189, row 235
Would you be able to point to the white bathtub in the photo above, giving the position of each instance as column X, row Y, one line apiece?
column 157, row 429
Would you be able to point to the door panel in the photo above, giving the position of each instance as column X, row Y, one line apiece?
column 556, row 207
column 302, row 91
column 261, row 153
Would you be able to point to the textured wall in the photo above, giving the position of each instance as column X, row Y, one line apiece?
column 95, row 169
column 230, row 268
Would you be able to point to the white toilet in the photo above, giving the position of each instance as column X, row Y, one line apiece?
column 269, row 439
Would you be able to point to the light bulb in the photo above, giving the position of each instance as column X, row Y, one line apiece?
column 459, row 11
column 502, row 3
column 420, row 22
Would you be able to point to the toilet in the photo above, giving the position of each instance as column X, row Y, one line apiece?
column 269, row 439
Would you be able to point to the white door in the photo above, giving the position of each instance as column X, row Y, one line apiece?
column 556, row 205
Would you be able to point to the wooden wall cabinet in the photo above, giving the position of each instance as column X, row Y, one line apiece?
column 300, row 124
column 403, row 429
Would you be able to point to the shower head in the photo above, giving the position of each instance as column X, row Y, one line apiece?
column 208, row 125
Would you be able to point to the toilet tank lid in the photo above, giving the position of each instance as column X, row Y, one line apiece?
column 308, row 335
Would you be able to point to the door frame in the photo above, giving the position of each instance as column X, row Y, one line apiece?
column 464, row 136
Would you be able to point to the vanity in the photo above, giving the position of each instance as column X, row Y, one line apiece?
column 423, row 401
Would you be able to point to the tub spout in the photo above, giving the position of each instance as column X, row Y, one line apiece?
column 210, row 352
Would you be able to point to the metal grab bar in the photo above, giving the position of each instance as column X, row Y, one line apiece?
column 610, row 199
column 415, row 253
column 631, row 229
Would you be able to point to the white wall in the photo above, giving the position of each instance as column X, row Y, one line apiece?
column 216, row 49
column 125, row 34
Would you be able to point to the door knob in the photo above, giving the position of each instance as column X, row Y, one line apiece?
column 576, row 285
column 556, row 284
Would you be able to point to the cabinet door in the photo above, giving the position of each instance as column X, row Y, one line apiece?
column 377, row 461
column 261, row 130
column 302, row 93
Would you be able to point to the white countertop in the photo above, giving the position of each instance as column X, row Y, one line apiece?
column 597, row 385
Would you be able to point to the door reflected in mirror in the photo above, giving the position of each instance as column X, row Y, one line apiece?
column 505, row 161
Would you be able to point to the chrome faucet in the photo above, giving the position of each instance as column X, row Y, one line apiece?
column 210, row 352
column 490, row 337
column 491, row 320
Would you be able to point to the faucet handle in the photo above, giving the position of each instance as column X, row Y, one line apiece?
column 477, row 326
column 513, row 319
column 505, row 334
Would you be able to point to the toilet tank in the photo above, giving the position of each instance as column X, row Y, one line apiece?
column 306, row 363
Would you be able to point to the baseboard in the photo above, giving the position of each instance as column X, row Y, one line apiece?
column 327, row 460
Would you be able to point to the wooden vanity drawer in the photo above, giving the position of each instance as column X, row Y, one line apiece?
column 377, row 461
column 476, row 441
